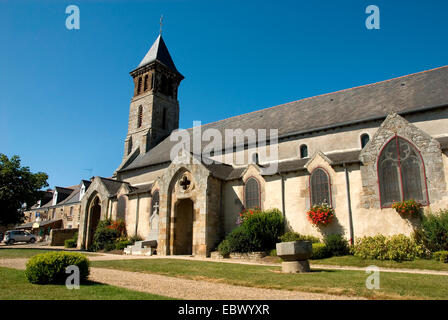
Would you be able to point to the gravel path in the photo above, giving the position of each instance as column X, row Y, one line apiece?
column 185, row 288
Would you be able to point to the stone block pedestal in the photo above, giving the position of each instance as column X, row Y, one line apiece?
column 295, row 256
column 296, row 266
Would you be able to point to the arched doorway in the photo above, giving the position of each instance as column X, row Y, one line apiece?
column 183, row 230
column 94, row 219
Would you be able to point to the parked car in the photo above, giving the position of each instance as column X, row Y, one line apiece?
column 12, row 236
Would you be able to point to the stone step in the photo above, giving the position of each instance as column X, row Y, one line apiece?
column 141, row 252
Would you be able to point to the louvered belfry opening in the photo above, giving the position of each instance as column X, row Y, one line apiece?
column 401, row 173
column 320, row 187
column 140, row 117
column 252, row 194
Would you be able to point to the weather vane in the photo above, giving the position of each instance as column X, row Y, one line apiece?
column 161, row 23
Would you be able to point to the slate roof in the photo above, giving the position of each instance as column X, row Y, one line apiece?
column 158, row 52
column 141, row 189
column 73, row 197
column 405, row 94
column 111, row 185
column 443, row 142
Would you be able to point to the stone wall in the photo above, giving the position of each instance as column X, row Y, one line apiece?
column 58, row 236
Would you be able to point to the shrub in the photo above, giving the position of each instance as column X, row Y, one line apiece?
column 70, row 243
column 264, row 229
column 434, row 231
column 441, row 256
column 134, row 239
column 239, row 241
column 259, row 231
column 224, row 248
column 294, row 236
column 105, row 237
column 50, row 267
column 337, row 245
column 273, row 253
column 118, row 225
column 408, row 208
column 321, row 215
column 246, row 214
column 398, row 248
column 120, row 245
column 320, row 251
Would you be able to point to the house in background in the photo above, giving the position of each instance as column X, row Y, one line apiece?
column 58, row 209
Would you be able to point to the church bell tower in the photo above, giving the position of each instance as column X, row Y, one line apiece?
column 154, row 110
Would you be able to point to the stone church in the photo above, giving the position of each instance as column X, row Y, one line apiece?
column 357, row 149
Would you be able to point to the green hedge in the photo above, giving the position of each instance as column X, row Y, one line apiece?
column 50, row 267
column 320, row 251
column 294, row 236
column 441, row 256
column 336, row 245
column 398, row 248
column 120, row 245
column 70, row 243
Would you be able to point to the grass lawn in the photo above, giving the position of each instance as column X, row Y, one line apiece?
column 15, row 286
column 393, row 285
column 358, row 262
column 8, row 253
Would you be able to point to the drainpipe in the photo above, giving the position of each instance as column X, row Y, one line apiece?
column 136, row 213
column 349, row 205
column 283, row 200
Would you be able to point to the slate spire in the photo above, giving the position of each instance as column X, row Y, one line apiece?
column 159, row 52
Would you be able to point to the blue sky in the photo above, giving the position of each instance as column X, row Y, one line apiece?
column 64, row 94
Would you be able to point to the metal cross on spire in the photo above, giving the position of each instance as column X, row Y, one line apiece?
column 161, row 24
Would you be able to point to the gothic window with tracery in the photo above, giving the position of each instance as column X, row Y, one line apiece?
column 401, row 173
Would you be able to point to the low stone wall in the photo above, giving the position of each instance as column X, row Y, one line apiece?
column 58, row 236
column 250, row 256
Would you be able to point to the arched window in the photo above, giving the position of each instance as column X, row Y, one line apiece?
column 140, row 117
column 252, row 194
column 145, row 83
column 320, row 187
column 139, row 86
column 303, row 151
column 364, row 140
column 401, row 173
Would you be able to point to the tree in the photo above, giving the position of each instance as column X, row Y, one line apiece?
column 18, row 186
